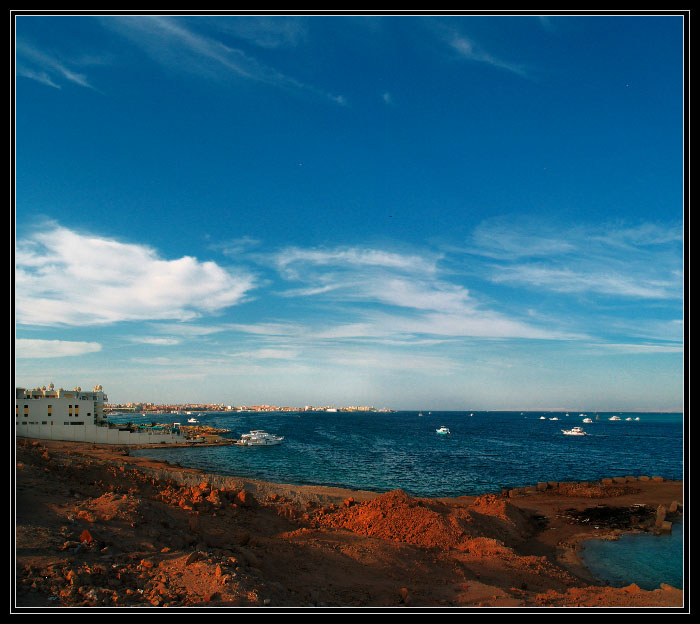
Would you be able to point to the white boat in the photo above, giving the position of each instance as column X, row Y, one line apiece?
column 614, row 418
column 587, row 420
column 637, row 418
column 258, row 437
column 543, row 418
column 577, row 431
column 442, row 431
column 555, row 418
column 192, row 420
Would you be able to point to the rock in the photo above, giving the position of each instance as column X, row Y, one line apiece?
column 245, row 499
column 405, row 596
column 673, row 507
column 666, row 526
column 660, row 515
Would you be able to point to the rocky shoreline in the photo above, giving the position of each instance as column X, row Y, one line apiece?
column 98, row 528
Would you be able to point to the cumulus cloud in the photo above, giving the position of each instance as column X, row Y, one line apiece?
column 65, row 277
column 26, row 348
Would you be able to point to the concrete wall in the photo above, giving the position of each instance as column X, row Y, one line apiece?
column 93, row 433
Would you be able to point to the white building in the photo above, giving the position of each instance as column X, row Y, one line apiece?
column 77, row 416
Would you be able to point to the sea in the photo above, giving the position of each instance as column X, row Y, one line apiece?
column 485, row 452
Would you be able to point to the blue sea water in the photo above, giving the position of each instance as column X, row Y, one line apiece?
column 485, row 452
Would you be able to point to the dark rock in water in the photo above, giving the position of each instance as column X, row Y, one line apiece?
column 613, row 517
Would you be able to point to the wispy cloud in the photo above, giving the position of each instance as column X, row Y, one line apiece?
column 641, row 261
column 47, row 68
column 393, row 295
column 179, row 45
column 65, row 277
column 264, row 31
column 32, row 348
column 466, row 48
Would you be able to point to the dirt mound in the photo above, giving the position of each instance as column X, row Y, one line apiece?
column 110, row 506
column 397, row 516
column 489, row 521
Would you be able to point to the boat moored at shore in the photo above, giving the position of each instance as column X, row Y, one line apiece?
column 258, row 437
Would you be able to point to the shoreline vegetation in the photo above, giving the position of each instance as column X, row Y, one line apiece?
column 96, row 527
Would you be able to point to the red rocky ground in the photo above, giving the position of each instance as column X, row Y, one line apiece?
column 95, row 528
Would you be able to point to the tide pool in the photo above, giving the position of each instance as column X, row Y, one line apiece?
column 645, row 559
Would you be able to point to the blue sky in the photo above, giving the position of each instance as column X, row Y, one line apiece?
column 413, row 212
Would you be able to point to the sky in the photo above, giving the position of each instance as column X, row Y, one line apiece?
column 451, row 212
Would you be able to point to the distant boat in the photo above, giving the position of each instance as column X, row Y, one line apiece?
column 542, row 418
column 420, row 413
column 555, row 418
column 637, row 418
column 587, row 420
column 574, row 431
column 614, row 418
column 192, row 420
column 443, row 431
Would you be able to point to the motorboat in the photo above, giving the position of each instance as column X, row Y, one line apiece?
column 192, row 420
column 555, row 418
column 543, row 418
column 576, row 431
column 443, row 431
column 258, row 437
column 614, row 418
column 588, row 420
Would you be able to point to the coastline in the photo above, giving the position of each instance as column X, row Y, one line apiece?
column 98, row 527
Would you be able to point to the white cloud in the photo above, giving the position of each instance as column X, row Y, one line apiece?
column 641, row 261
column 156, row 341
column 32, row 348
column 64, row 277
column 176, row 43
column 396, row 295
column 46, row 68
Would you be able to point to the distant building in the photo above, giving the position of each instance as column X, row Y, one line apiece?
column 78, row 416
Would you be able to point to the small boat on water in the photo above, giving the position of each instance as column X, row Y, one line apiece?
column 575, row 431
column 258, row 437
column 587, row 420
column 443, row 431
column 192, row 420
column 614, row 418
column 543, row 418
column 555, row 418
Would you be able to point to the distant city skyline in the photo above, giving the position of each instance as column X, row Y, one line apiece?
column 446, row 212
